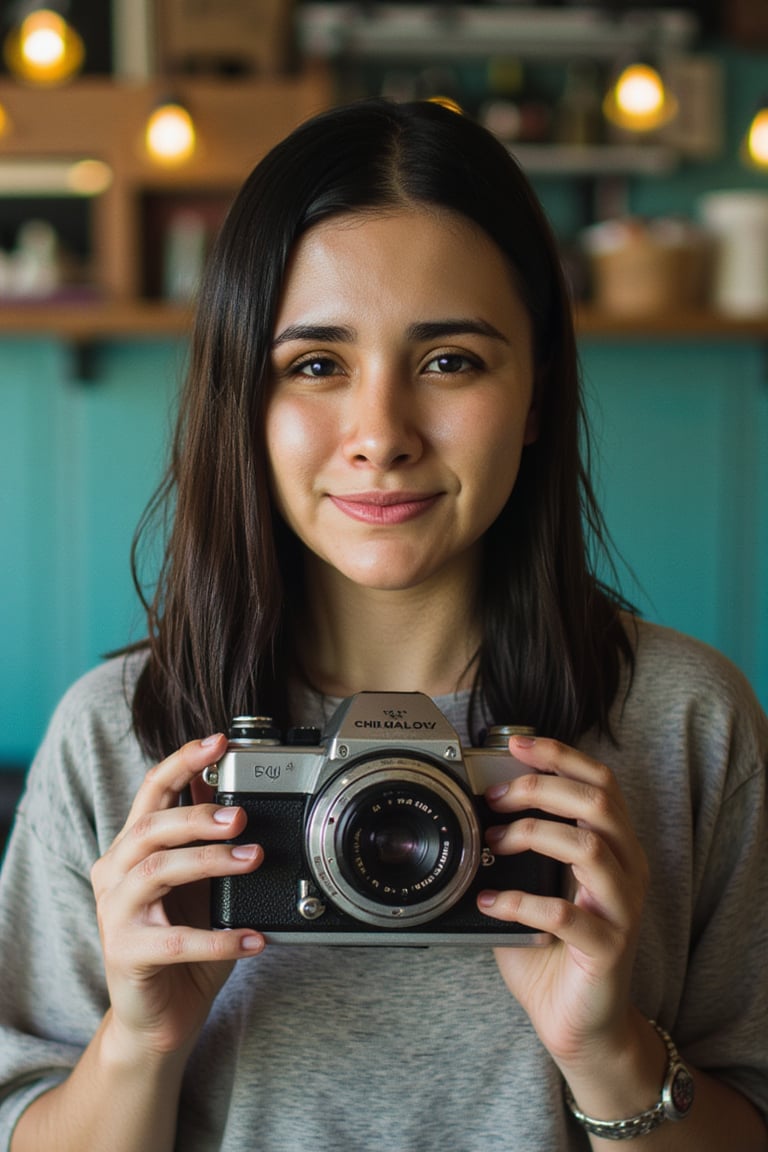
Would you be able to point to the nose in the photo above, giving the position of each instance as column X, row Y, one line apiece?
column 382, row 427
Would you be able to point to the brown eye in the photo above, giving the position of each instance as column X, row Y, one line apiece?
column 317, row 366
column 449, row 363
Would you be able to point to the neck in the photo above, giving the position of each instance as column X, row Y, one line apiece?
column 353, row 639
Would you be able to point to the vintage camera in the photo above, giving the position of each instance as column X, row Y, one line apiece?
column 374, row 833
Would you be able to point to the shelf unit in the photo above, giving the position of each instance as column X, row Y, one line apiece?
column 102, row 119
column 338, row 32
column 239, row 120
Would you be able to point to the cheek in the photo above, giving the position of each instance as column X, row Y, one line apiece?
column 489, row 439
column 497, row 475
column 295, row 439
column 493, row 464
column 287, row 431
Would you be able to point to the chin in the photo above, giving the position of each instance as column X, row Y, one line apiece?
column 385, row 582
column 390, row 576
column 401, row 569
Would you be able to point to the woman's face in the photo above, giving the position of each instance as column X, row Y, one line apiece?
column 402, row 393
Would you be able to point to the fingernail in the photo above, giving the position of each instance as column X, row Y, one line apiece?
column 487, row 899
column 524, row 741
column 225, row 815
column 210, row 740
column 496, row 791
column 495, row 834
column 252, row 943
column 245, row 851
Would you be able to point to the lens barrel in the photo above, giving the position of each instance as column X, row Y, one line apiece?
column 398, row 844
column 393, row 840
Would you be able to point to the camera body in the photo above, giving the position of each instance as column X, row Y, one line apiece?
column 373, row 833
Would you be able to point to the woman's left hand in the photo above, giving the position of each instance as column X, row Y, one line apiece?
column 576, row 991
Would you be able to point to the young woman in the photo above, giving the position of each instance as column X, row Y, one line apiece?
column 376, row 483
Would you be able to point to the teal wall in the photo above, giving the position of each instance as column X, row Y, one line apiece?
column 78, row 463
column 682, row 445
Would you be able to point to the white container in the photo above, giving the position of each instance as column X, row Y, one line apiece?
column 738, row 223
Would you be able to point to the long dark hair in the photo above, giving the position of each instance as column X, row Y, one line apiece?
column 219, row 639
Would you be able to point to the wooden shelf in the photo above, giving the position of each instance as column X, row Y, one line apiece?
column 86, row 322
column 427, row 31
column 701, row 324
column 596, row 160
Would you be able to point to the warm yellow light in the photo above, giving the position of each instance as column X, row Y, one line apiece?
column 639, row 91
column 44, row 49
column 639, row 101
column 170, row 134
column 5, row 122
column 448, row 103
column 757, row 139
column 42, row 40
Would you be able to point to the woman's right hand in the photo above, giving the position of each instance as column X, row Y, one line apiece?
column 164, row 968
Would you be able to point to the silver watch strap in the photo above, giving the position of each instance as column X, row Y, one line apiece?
column 643, row 1122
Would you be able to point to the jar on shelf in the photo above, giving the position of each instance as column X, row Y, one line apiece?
column 646, row 267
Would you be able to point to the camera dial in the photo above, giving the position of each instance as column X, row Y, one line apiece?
column 254, row 729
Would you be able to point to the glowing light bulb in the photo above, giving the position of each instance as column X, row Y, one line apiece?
column 44, row 49
column 42, row 39
column 638, row 101
column 757, row 139
column 170, row 134
column 639, row 91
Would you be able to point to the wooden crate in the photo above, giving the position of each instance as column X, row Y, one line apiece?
column 241, row 36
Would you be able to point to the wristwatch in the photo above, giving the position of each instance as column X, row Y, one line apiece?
column 674, row 1103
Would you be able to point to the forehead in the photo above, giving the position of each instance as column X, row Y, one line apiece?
column 398, row 257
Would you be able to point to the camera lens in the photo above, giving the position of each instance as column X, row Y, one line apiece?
column 399, row 844
column 396, row 844
column 393, row 840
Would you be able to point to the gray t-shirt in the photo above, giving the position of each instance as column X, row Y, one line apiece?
column 356, row 1048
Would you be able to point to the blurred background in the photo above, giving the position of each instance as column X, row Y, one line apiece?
column 125, row 129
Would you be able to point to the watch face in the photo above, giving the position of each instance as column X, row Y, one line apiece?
column 681, row 1091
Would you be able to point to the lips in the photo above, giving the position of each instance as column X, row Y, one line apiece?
column 384, row 507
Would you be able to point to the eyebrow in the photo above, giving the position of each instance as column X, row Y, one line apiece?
column 436, row 329
column 424, row 330
column 322, row 333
